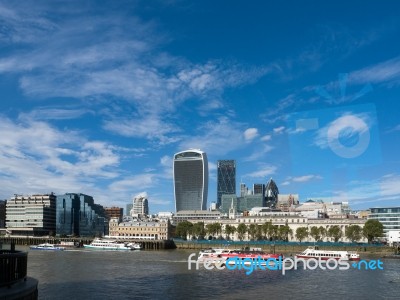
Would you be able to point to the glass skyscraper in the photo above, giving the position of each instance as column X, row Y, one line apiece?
column 226, row 179
column 190, row 180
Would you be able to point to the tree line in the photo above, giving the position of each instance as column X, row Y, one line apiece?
column 267, row 231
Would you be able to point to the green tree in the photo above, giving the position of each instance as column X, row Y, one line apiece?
column 252, row 230
column 259, row 235
column 353, row 233
column 266, row 229
column 241, row 230
column 317, row 233
column 301, row 233
column 284, row 232
column 372, row 229
column 335, row 232
column 183, row 229
column 198, row 229
column 229, row 229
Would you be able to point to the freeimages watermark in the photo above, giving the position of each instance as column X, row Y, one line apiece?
column 281, row 264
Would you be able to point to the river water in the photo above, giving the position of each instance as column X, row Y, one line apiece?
column 91, row 274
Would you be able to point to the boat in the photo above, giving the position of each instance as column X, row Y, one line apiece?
column 314, row 252
column 102, row 244
column 213, row 253
column 248, row 257
column 46, row 246
column 135, row 246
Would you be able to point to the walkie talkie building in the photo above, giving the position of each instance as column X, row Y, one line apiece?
column 190, row 180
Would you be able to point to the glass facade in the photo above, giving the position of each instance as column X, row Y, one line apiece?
column 226, row 179
column 190, row 180
column 271, row 194
column 78, row 215
column 388, row 216
column 241, row 204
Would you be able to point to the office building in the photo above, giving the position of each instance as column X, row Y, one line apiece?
column 271, row 194
column 114, row 212
column 190, row 169
column 31, row 215
column 388, row 216
column 140, row 206
column 226, row 179
column 78, row 215
column 2, row 213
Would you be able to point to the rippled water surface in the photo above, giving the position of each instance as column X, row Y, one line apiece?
column 84, row 274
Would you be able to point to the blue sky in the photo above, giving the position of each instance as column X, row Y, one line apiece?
column 97, row 96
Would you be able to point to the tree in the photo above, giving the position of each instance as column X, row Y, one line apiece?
column 198, row 229
column 317, row 233
column 372, row 229
column 252, row 230
column 335, row 232
column 229, row 229
column 353, row 233
column 266, row 229
column 241, row 230
column 183, row 229
column 301, row 233
column 284, row 232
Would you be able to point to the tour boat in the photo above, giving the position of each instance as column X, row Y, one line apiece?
column 248, row 256
column 313, row 252
column 46, row 246
column 213, row 253
column 112, row 245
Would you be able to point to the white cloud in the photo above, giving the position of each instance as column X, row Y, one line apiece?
column 135, row 182
column 384, row 72
column 306, row 178
column 266, row 138
column 262, row 172
column 250, row 134
column 279, row 130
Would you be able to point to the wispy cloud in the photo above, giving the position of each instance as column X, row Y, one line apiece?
column 250, row 134
column 262, row 172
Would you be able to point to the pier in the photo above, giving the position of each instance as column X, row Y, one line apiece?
column 79, row 241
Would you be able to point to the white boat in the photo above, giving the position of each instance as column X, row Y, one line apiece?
column 135, row 246
column 46, row 246
column 313, row 252
column 112, row 245
column 213, row 253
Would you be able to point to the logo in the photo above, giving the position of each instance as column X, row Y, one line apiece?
column 249, row 265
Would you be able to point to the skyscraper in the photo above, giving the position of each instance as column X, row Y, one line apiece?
column 190, row 180
column 226, row 179
column 271, row 194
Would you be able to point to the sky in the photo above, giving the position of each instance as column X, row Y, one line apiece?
column 97, row 96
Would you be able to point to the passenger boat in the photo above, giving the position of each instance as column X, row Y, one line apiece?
column 248, row 256
column 112, row 245
column 220, row 256
column 46, row 246
column 314, row 252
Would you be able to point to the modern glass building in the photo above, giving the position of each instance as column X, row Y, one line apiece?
column 78, row 215
column 388, row 216
column 271, row 194
column 241, row 204
column 190, row 170
column 226, row 179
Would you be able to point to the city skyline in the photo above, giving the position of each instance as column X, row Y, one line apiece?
column 97, row 97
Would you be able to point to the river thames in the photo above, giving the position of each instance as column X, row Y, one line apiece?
column 84, row 274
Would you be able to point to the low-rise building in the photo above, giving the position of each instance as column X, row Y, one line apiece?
column 199, row 215
column 141, row 230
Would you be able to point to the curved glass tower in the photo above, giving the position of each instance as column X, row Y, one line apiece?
column 190, row 180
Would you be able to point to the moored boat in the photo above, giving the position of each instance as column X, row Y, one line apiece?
column 46, row 246
column 101, row 244
column 314, row 252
